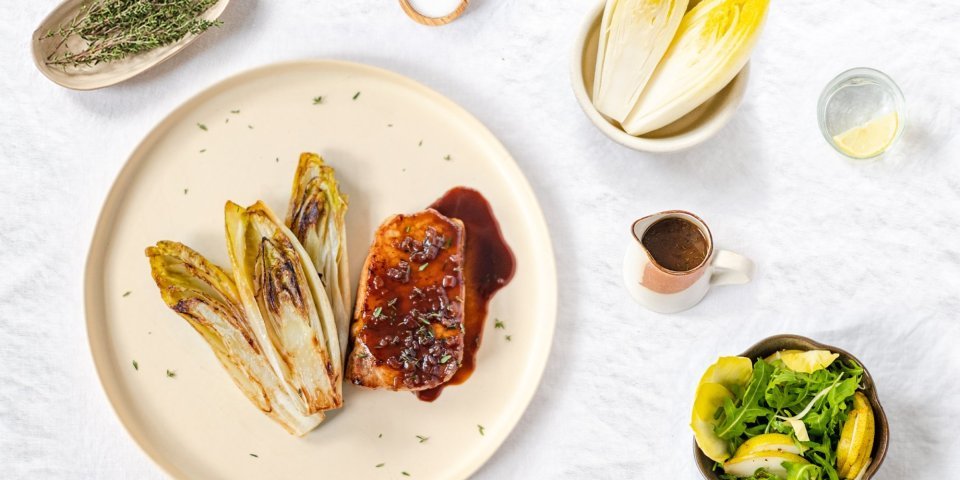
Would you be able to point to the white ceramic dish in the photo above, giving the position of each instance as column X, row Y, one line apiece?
column 197, row 425
column 104, row 74
column 692, row 129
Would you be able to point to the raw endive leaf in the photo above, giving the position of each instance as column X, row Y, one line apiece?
column 712, row 45
column 317, row 216
column 206, row 297
column 286, row 304
column 634, row 34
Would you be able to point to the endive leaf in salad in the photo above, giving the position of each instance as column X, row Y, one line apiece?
column 711, row 46
column 207, row 298
column 288, row 309
column 317, row 215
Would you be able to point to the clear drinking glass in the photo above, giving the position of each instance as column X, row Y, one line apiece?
column 853, row 99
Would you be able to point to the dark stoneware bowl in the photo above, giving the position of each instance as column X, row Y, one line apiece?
column 775, row 343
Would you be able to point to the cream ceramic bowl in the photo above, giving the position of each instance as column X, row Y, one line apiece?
column 691, row 129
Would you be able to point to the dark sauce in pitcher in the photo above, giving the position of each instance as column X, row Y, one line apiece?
column 488, row 265
column 676, row 244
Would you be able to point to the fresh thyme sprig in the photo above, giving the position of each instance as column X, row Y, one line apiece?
column 115, row 29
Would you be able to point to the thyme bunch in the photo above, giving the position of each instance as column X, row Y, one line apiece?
column 115, row 29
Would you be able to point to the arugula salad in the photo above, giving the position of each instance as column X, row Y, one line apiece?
column 795, row 415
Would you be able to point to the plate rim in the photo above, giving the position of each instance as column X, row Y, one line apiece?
column 93, row 270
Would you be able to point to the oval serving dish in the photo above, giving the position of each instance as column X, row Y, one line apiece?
column 691, row 129
column 104, row 74
column 776, row 343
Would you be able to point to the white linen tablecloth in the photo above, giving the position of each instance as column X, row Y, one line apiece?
column 865, row 256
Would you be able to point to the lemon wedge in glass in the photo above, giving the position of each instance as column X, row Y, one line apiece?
column 870, row 139
column 809, row 361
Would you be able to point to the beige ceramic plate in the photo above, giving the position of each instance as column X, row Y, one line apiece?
column 369, row 126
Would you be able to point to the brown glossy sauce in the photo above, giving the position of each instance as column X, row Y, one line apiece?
column 676, row 244
column 413, row 315
column 489, row 265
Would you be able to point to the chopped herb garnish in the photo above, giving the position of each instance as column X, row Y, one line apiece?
column 447, row 157
column 420, row 144
column 127, row 293
column 317, row 100
column 379, row 465
column 361, row 355
column 445, row 359
column 447, row 243
column 405, row 474
column 389, row 125
column 392, row 302
column 377, row 311
column 226, row 120
column 185, row 190
column 202, row 127
column 171, row 374
column 136, row 366
column 422, row 438
column 509, row 338
column 423, row 266
column 250, row 127
column 497, row 323
column 234, row 111
column 380, row 436
column 480, row 428
column 424, row 321
column 203, row 150
column 407, row 230
column 356, row 95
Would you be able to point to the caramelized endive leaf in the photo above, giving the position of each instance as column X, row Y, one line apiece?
column 287, row 306
column 317, row 215
column 206, row 297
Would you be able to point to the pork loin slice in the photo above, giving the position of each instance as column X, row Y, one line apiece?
column 407, row 329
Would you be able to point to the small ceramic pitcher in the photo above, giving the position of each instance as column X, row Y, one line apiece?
column 668, row 291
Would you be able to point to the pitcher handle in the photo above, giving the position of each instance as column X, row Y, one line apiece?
column 731, row 269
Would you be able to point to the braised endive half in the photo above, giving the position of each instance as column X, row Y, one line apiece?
column 634, row 34
column 287, row 306
column 317, row 215
column 711, row 46
column 207, row 297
